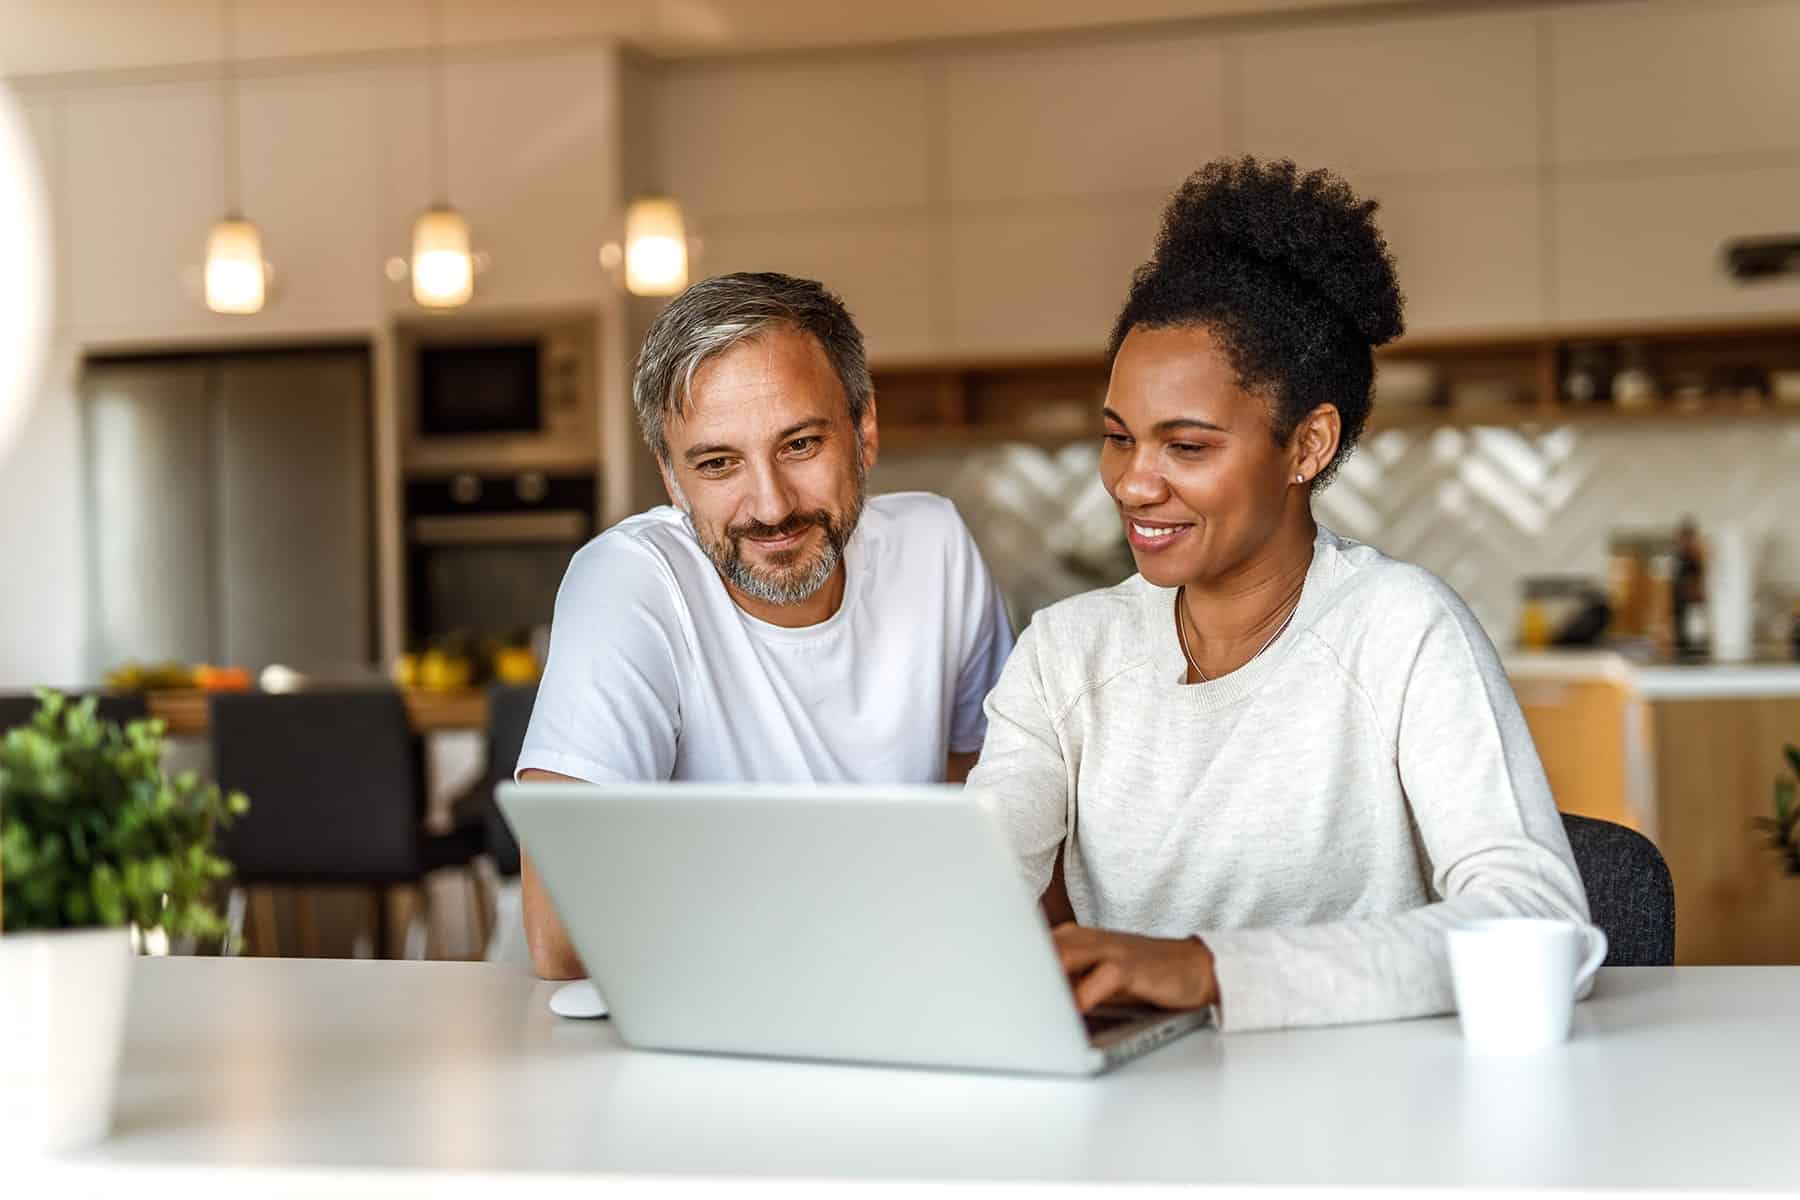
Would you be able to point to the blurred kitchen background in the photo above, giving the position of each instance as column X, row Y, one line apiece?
column 443, row 227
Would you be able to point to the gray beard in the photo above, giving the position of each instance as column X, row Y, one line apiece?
column 782, row 586
column 775, row 587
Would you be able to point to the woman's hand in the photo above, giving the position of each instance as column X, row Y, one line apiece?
column 1104, row 966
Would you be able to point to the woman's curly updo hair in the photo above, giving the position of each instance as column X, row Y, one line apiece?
column 1290, row 273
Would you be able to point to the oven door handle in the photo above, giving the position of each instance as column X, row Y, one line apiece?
column 479, row 529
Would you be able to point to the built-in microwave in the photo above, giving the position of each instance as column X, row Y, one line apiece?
column 498, row 394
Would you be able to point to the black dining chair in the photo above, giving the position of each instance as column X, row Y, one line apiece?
column 1630, row 893
column 17, row 708
column 337, row 794
column 509, row 714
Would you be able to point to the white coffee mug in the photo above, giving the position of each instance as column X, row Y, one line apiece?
column 1516, row 979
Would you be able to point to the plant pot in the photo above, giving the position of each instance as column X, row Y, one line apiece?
column 62, row 1023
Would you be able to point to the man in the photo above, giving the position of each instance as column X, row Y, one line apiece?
column 772, row 624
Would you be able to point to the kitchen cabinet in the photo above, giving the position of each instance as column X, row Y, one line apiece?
column 149, row 512
column 228, row 510
column 1025, row 125
column 533, row 165
column 1434, row 95
column 308, row 150
column 1644, row 81
column 143, row 176
column 1688, row 755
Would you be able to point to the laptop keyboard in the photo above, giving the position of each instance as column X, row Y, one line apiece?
column 1101, row 1020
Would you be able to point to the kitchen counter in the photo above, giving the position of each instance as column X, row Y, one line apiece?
column 1688, row 754
column 1698, row 680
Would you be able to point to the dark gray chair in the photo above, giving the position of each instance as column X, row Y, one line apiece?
column 336, row 787
column 1629, row 891
column 509, row 713
column 17, row 708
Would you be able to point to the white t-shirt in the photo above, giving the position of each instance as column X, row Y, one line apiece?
column 655, row 673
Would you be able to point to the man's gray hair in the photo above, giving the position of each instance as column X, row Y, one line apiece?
column 716, row 314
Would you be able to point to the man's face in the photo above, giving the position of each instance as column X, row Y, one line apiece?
column 768, row 468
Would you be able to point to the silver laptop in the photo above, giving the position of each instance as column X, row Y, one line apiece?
column 845, row 922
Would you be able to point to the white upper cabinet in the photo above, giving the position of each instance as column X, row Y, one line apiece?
column 1469, row 252
column 1402, row 96
column 1649, row 246
column 308, row 152
column 144, row 176
column 1045, row 282
column 1110, row 117
column 1637, row 81
column 882, row 273
column 757, row 140
column 533, row 165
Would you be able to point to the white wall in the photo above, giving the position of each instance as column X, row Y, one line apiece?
column 334, row 172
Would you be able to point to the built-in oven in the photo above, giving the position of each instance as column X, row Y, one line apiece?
column 486, row 552
column 498, row 393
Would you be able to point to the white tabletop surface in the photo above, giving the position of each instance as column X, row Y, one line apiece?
column 326, row 1071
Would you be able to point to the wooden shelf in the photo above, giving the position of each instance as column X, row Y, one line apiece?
column 1054, row 400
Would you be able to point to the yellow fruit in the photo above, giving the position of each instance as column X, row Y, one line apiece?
column 515, row 664
column 406, row 670
column 434, row 671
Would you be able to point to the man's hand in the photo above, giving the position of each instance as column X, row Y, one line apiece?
column 552, row 956
column 1104, row 967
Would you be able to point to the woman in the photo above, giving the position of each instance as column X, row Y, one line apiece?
column 1275, row 765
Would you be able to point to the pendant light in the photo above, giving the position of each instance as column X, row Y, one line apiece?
column 443, row 269
column 236, row 281
column 656, row 251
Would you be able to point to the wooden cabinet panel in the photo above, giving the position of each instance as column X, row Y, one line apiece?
column 758, row 139
column 1406, row 95
column 1470, row 255
column 1635, row 81
column 883, row 274
column 1649, row 246
column 1717, row 762
column 1578, row 727
column 1045, row 282
column 1124, row 116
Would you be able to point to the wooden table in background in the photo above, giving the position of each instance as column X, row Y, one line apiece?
column 185, row 712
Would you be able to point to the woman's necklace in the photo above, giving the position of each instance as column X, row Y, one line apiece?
column 1181, row 635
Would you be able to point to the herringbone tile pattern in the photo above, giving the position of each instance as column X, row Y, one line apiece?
column 1483, row 508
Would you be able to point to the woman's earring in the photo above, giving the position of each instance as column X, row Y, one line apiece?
column 1299, row 479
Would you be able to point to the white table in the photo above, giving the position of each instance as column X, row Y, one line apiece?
column 243, row 1074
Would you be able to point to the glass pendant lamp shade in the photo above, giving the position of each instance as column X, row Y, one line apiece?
column 443, row 270
column 234, row 267
column 656, row 259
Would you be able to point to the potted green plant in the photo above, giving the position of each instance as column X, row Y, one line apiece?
column 95, row 841
column 1783, row 830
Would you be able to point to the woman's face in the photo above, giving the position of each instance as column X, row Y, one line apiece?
column 1189, row 460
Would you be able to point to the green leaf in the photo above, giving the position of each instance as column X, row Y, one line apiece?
column 92, row 831
column 1793, row 757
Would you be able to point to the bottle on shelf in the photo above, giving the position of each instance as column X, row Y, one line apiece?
column 1687, row 596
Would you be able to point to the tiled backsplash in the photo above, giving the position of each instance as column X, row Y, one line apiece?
column 1483, row 508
